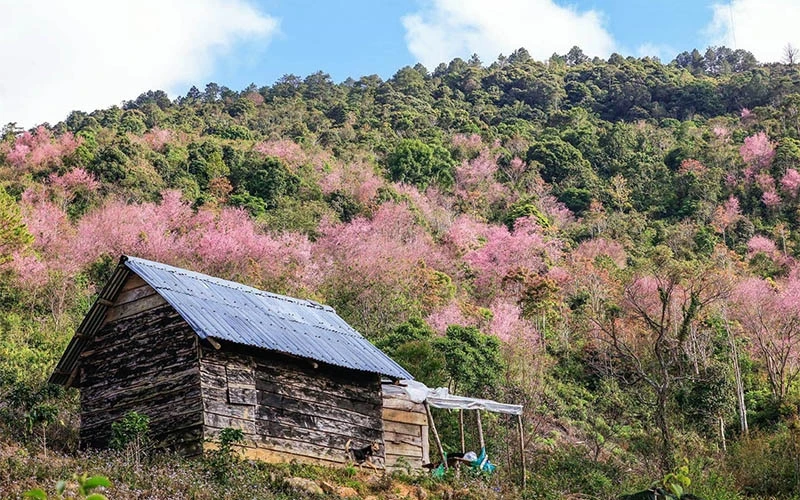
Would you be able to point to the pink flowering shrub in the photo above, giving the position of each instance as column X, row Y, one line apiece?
column 727, row 214
column 467, row 145
column 770, row 199
column 380, row 270
column 357, row 180
column 290, row 152
column 224, row 243
column 504, row 252
column 157, row 138
column 760, row 244
column 38, row 150
column 509, row 326
column 769, row 313
column 765, row 182
column 791, row 182
column 476, row 186
column 757, row 153
column 450, row 314
column 721, row 132
column 433, row 207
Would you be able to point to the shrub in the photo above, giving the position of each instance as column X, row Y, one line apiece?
column 131, row 436
column 221, row 461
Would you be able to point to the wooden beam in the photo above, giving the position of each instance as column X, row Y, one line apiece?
column 435, row 434
column 522, row 452
column 72, row 375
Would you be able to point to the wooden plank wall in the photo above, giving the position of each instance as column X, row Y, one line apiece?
column 144, row 358
column 290, row 408
column 405, row 432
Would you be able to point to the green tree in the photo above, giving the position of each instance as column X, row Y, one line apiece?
column 415, row 162
column 412, row 345
column 14, row 234
column 473, row 360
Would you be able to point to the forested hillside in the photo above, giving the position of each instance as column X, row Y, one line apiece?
column 612, row 243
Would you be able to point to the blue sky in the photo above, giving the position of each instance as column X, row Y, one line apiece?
column 91, row 54
column 360, row 37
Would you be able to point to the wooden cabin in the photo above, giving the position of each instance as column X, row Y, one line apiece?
column 197, row 354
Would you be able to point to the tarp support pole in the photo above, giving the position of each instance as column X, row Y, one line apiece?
column 480, row 430
column 522, row 452
column 461, row 429
column 435, row 433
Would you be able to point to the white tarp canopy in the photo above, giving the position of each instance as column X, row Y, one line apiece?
column 441, row 398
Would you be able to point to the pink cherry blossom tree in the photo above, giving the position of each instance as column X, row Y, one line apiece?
column 34, row 151
column 769, row 315
column 791, row 182
column 757, row 153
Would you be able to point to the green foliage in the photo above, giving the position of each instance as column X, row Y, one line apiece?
column 133, row 122
column 223, row 460
column 82, row 486
column 14, row 234
column 205, row 162
column 677, row 481
column 472, row 359
column 414, row 346
column 265, row 179
column 415, row 162
column 133, row 427
column 561, row 164
column 576, row 199
column 644, row 154
column 524, row 209
column 131, row 436
column 563, row 472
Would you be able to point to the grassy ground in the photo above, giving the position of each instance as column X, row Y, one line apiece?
column 171, row 477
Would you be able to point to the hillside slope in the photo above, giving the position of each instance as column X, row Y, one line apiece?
column 611, row 243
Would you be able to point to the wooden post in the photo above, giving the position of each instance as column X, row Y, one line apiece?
column 522, row 452
column 435, row 433
column 480, row 430
column 461, row 429
column 722, row 433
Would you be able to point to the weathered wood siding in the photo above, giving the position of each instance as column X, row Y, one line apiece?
column 144, row 358
column 290, row 408
column 405, row 432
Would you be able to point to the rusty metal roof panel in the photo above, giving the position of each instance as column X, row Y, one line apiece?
column 238, row 313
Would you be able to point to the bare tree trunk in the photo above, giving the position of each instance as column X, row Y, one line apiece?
column 662, row 423
column 739, row 384
column 722, row 433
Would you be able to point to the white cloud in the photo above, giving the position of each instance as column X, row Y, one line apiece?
column 60, row 56
column 764, row 27
column 663, row 52
column 446, row 29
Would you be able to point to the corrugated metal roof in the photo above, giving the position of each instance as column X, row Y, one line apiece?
column 230, row 311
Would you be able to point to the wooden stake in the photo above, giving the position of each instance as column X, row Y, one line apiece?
column 522, row 452
column 461, row 429
column 480, row 430
column 435, row 433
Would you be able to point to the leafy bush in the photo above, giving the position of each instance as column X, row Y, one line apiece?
column 223, row 460
column 82, row 486
column 130, row 435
